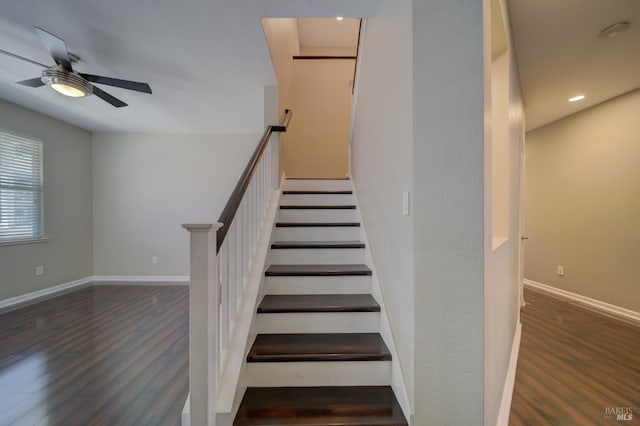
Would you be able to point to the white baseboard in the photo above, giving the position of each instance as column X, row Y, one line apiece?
column 39, row 295
column 510, row 379
column 604, row 307
column 142, row 279
column 12, row 303
column 186, row 412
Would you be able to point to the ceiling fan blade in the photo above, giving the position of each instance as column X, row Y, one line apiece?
column 32, row 82
column 56, row 47
column 125, row 84
column 13, row 55
column 107, row 97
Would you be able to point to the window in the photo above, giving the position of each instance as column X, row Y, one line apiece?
column 20, row 188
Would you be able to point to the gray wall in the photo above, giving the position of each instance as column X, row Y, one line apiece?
column 146, row 185
column 67, row 255
column 583, row 202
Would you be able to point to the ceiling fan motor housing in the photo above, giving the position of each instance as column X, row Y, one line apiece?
column 51, row 76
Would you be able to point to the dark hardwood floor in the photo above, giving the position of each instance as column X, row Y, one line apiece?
column 102, row 355
column 575, row 367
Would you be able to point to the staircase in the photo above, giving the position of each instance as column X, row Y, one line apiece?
column 318, row 358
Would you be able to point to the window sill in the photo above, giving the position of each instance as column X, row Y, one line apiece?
column 24, row 241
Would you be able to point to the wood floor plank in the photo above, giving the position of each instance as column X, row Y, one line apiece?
column 317, row 192
column 319, row 347
column 317, row 207
column 316, row 270
column 573, row 364
column 317, row 224
column 324, row 405
column 318, row 303
column 317, row 245
column 100, row 355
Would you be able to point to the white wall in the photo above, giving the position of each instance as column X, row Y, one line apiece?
column 146, row 185
column 317, row 143
column 448, row 169
column 381, row 166
column 583, row 202
column 67, row 255
column 505, row 125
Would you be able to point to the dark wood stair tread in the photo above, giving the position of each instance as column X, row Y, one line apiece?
column 316, row 270
column 290, row 303
column 320, row 406
column 317, row 192
column 315, row 224
column 318, row 207
column 318, row 347
column 317, row 245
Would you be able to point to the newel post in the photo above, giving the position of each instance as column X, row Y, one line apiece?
column 203, row 323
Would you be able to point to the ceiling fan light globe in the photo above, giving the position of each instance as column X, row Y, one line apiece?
column 66, row 90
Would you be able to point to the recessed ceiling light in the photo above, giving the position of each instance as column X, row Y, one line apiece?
column 576, row 98
column 339, row 18
column 614, row 30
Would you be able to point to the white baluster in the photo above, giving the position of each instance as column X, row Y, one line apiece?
column 224, row 306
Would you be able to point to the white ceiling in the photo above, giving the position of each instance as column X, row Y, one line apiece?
column 328, row 32
column 560, row 55
column 205, row 60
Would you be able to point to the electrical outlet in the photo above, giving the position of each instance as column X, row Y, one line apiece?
column 561, row 270
column 154, row 259
column 39, row 270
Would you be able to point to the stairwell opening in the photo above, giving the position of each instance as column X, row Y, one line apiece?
column 314, row 60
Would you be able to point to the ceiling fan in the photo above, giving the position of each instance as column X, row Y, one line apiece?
column 63, row 79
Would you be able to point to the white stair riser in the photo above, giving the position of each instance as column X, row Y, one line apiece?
column 315, row 199
column 318, row 285
column 316, row 256
column 320, row 322
column 317, row 215
column 330, row 373
column 320, row 233
column 317, row 184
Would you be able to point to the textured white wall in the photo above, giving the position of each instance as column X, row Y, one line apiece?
column 146, row 185
column 381, row 165
column 67, row 206
column 448, row 169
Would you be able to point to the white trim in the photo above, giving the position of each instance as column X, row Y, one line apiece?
column 186, row 412
column 510, row 379
column 39, row 295
column 142, row 279
column 604, row 307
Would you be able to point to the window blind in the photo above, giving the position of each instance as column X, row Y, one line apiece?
column 20, row 188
